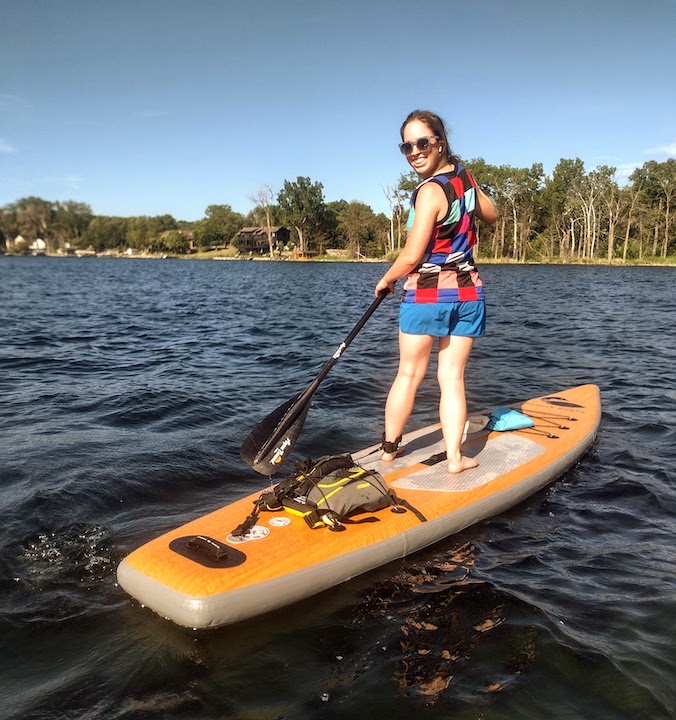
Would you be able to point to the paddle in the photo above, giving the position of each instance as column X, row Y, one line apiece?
column 270, row 442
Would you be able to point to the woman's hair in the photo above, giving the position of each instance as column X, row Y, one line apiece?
column 436, row 125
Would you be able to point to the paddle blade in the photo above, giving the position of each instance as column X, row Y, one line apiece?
column 268, row 445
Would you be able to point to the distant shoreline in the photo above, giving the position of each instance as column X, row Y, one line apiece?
column 650, row 262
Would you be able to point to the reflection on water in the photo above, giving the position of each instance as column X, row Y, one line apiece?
column 446, row 620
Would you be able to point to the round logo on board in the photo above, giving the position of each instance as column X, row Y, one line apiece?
column 257, row 532
column 280, row 521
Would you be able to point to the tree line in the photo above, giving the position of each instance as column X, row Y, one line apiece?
column 316, row 225
column 570, row 215
column 574, row 215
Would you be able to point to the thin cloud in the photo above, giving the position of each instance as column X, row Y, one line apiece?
column 72, row 182
column 622, row 170
column 5, row 147
column 605, row 160
column 9, row 101
column 666, row 149
column 626, row 169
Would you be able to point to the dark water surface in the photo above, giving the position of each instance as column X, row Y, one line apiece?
column 126, row 389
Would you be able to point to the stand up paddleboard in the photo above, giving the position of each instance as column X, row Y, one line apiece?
column 201, row 576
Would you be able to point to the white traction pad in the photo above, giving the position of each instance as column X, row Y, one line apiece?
column 496, row 457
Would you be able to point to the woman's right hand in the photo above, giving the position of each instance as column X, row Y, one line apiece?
column 385, row 286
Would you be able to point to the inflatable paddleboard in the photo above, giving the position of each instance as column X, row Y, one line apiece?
column 201, row 575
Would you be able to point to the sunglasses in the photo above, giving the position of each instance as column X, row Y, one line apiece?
column 421, row 144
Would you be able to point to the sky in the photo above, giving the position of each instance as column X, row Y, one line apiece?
column 147, row 107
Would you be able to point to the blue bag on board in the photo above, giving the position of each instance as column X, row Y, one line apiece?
column 504, row 418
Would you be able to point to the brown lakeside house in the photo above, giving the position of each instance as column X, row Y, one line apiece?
column 255, row 239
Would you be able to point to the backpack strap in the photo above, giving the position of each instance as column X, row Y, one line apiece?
column 401, row 503
column 267, row 501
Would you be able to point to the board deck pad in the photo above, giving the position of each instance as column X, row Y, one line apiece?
column 505, row 453
column 281, row 560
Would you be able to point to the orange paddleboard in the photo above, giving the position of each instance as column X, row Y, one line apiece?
column 201, row 576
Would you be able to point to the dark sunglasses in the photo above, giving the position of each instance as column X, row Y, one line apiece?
column 421, row 144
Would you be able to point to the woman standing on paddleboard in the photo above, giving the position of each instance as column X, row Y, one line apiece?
column 443, row 295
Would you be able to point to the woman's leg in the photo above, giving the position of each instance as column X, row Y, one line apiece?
column 414, row 353
column 454, row 353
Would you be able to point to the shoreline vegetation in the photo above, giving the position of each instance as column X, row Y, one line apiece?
column 571, row 216
column 480, row 260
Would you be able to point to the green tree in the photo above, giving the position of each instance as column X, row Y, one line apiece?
column 631, row 198
column 71, row 220
column 659, row 183
column 219, row 227
column 515, row 191
column 611, row 205
column 335, row 238
column 34, row 216
column 105, row 233
column 560, row 208
column 173, row 241
column 487, row 178
column 156, row 228
column 356, row 221
column 302, row 205
column 376, row 243
column 9, row 227
column 139, row 233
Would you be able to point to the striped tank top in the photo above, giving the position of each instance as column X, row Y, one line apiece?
column 447, row 272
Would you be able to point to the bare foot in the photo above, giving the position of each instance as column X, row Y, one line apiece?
column 465, row 463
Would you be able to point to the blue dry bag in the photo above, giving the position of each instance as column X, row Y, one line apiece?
column 504, row 418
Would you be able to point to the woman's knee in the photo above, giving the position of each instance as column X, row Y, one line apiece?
column 451, row 381
column 411, row 374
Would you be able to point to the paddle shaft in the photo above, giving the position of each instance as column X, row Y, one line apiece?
column 299, row 407
column 312, row 387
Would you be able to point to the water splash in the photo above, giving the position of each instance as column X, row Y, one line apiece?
column 63, row 573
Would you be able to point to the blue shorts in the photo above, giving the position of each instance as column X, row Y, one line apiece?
column 466, row 319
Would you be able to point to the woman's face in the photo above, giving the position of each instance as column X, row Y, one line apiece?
column 427, row 161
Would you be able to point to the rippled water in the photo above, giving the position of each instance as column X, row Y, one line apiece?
column 127, row 387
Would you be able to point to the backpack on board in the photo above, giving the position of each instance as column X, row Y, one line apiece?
column 329, row 493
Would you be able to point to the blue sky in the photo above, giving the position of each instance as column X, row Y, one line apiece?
column 145, row 107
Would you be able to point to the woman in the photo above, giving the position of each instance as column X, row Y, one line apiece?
column 443, row 295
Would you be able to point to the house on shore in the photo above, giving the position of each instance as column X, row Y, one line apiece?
column 255, row 239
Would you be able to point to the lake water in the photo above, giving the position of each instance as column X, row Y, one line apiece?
column 127, row 387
